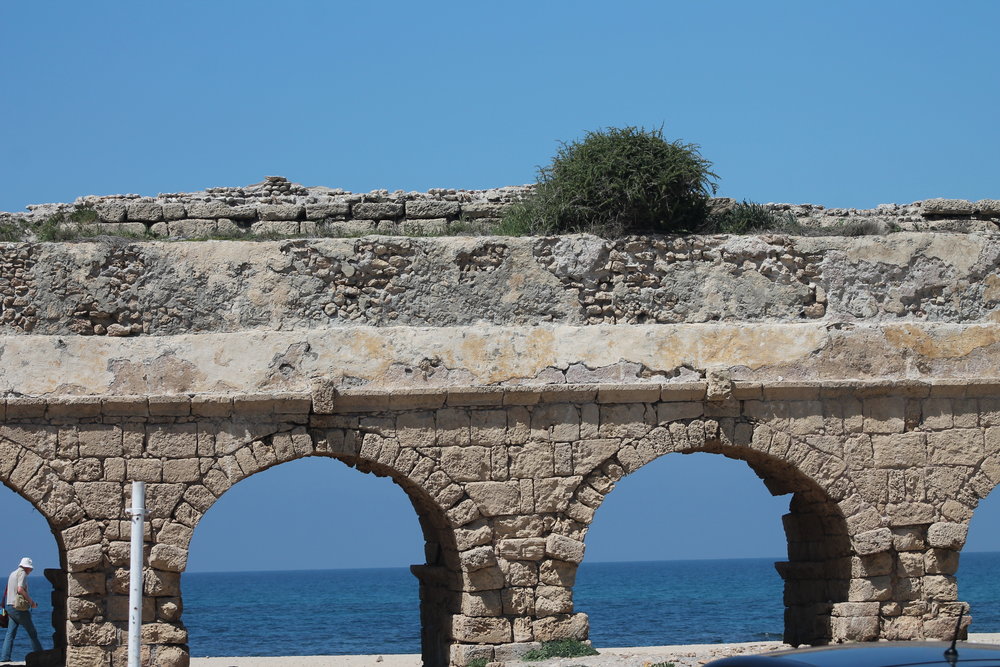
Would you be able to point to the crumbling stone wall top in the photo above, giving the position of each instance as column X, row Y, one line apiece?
column 279, row 207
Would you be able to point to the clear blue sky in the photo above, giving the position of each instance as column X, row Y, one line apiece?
column 836, row 103
column 848, row 103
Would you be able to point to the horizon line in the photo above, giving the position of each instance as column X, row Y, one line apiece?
column 594, row 562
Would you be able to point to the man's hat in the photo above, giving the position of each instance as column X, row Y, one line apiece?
column 26, row 562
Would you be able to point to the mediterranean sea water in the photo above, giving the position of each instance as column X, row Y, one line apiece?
column 368, row 611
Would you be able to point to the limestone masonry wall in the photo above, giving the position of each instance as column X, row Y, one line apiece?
column 506, row 385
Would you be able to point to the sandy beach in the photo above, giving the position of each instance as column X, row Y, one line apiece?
column 690, row 655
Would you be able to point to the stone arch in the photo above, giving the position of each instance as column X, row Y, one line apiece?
column 966, row 487
column 26, row 469
column 817, row 574
column 429, row 490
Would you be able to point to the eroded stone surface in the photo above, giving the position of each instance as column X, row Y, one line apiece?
column 508, row 385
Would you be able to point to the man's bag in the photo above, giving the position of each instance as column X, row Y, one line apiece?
column 21, row 603
column 4, row 618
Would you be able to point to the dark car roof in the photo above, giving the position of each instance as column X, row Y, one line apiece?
column 876, row 654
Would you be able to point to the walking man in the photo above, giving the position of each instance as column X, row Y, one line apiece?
column 19, row 604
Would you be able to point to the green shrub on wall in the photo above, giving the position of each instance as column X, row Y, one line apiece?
column 614, row 182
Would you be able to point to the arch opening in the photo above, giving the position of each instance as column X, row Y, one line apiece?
column 977, row 565
column 351, row 577
column 29, row 533
column 816, row 573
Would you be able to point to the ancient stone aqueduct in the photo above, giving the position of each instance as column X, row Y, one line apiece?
column 507, row 385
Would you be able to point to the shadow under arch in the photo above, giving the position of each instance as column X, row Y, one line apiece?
column 437, row 576
column 817, row 573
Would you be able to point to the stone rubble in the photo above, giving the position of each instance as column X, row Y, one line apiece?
column 278, row 207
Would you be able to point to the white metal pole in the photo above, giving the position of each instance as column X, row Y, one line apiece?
column 138, row 512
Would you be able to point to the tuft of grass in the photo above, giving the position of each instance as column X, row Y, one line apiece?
column 83, row 216
column 559, row 648
column 57, row 228
column 746, row 218
column 478, row 662
column 12, row 231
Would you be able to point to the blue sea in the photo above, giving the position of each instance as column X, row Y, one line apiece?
column 365, row 611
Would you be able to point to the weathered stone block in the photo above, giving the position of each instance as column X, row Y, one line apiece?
column 902, row 450
column 144, row 470
column 956, row 447
column 854, row 628
column 564, row 548
column 423, row 208
column 87, row 656
column 328, row 211
column 519, row 601
column 99, row 440
column 623, row 421
column 168, row 557
column 552, row 600
column 941, row 561
column 171, row 656
column 940, row 587
column 118, row 552
column 555, row 493
column 209, row 209
column 941, row 206
column 279, row 211
column 84, row 558
column 902, row 628
column 158, row 583
column 86, row 583
column 377, row 211
column 192, row 228
column 100, row 500
column 989, row 207
column 174, row 441
column 557, row 573
column 530, row 548
column 944, row 535
column 82, row 535
column 463, row 654
column 534, row 460
column 495, row 498
column 872, row 541
column 174, row 211
column 481, row 603
column 112, row 211
column 506, row 654
column 911, row 513
column 466, row 464
column 472, row 535
column 144, row 211
column 181, row 470
column 480, row 629
column 561, row 627
column 464, row 513
column 908, row 538
column 884, row 415
column 869, row 589
column 163, row 633
column 478, row 558
column 519, row 572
